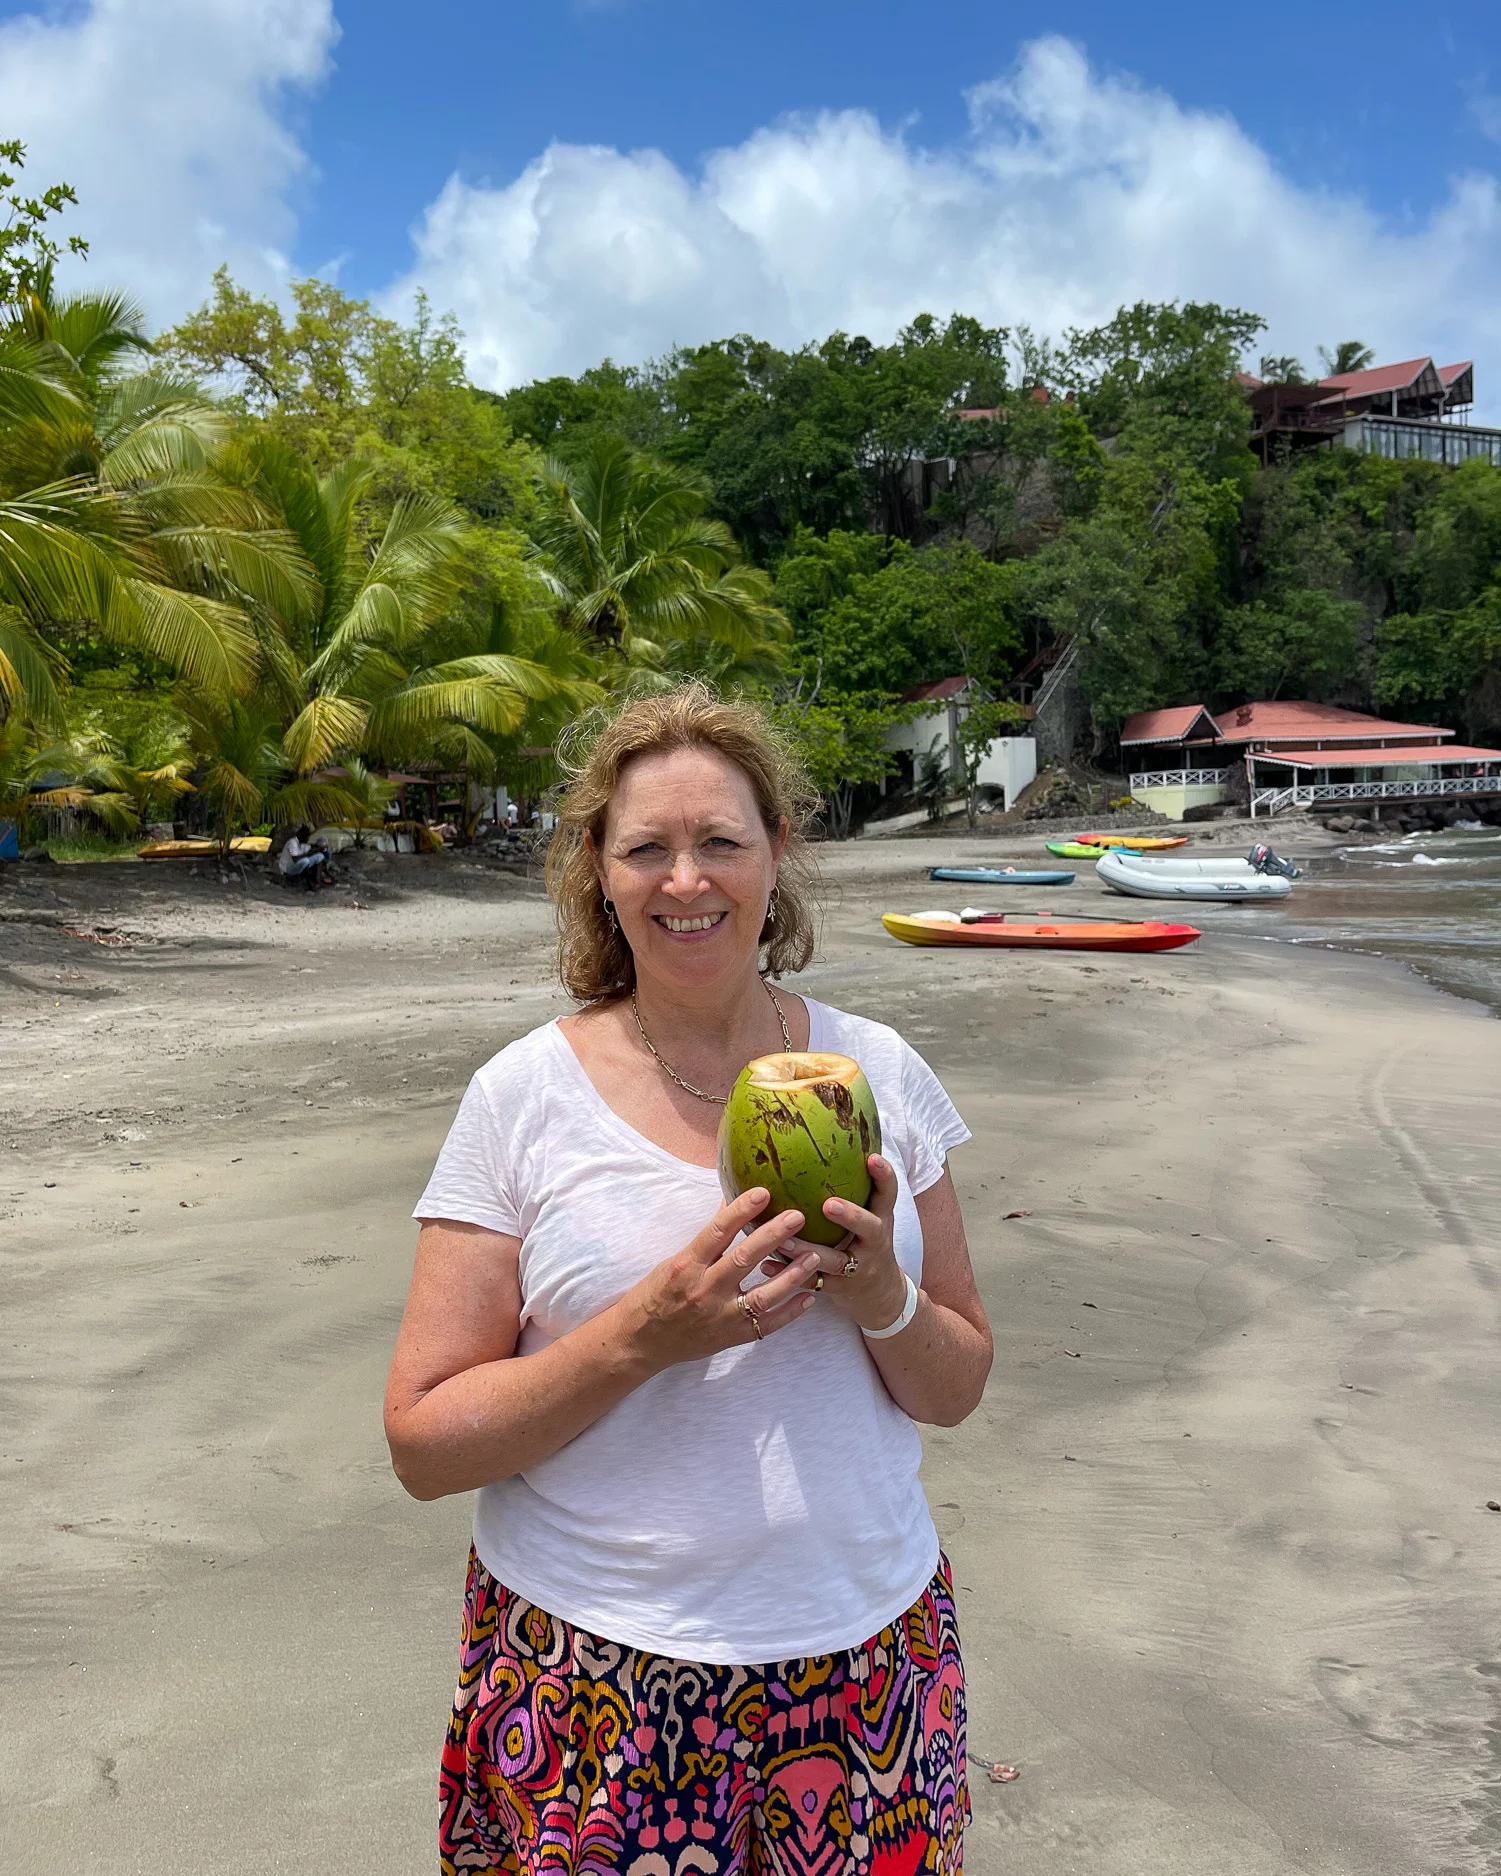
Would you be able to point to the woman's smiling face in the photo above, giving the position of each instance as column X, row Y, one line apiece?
column 688, row 864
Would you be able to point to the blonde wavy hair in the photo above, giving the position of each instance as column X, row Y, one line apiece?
column 594, row 960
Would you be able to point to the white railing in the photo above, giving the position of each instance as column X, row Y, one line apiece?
column 1179, row 778
column 1304, row 794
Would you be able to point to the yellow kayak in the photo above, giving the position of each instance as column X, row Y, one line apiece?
column 203, row 849
column 1138, row 843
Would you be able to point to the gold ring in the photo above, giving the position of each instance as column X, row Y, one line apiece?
column 746, row 1308
column 818, row 1281
column 851, row 1264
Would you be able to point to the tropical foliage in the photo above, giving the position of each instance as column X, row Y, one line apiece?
column 252, row 566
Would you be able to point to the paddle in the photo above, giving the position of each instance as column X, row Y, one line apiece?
column 1064, row 918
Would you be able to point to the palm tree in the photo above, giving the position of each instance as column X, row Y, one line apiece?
column 1284, row 370
column 88, row 335
column 636, row 562
column 1349, row 355
column 113, row 513
column 244, row 773
column 384, row 658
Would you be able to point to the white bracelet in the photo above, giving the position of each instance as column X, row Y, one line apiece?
column 909, row 1310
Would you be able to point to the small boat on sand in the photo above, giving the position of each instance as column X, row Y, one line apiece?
column 1072, row 850
column 998, row 876
column 1006, row 930
column 1137, row 843
column 203, row 849
column 1144, row 876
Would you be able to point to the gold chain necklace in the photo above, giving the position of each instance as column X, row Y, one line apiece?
column 719, row 1100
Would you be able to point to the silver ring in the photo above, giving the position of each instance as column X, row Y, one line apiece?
column 851, row 1264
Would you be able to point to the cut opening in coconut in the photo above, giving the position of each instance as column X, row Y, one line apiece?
column 803, row 1068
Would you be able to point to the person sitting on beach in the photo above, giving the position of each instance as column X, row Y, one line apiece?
column 305, row 859
column 705, row 1600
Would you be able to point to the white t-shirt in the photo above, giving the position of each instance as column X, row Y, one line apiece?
column 757, row 1505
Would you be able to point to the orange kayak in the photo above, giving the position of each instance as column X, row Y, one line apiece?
column 1001, row 929
column 1138, row 843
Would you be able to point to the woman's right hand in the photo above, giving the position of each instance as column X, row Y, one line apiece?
column 689, row 1306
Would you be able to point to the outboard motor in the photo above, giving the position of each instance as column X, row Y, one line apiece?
column 1265, row 861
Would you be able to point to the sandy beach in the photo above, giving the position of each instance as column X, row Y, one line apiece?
column 1228, row 1583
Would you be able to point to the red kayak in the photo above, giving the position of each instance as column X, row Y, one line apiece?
column 1000, row 929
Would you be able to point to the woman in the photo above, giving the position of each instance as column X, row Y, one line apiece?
column 707, row 1623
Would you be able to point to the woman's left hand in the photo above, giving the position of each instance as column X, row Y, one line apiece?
column 873, row 1292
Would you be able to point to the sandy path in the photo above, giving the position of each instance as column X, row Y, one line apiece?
column 1247, row 1624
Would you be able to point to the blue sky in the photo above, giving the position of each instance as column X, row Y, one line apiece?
column 616, row 176
column 1348, row 97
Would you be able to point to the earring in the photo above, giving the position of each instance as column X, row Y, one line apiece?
column 609, row 906
column 771, row 907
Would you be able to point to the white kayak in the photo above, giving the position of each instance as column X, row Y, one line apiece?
column 1145, row 876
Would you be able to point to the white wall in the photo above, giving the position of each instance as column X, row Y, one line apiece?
column 922, row 734
column 1010, row 763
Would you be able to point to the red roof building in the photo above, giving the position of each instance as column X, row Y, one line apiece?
column 1381, row 755
column 938, row 690
column 1182, row 757
column 1186, row 723
column 1414, row 408
column 1268, row 726
column 1314, row 726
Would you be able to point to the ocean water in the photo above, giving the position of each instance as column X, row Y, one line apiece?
column 1431, row 899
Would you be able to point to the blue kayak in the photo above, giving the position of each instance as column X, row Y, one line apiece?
column 998, row 876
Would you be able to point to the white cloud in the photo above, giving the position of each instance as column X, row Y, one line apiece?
column 169, row 119
column 1072, row 193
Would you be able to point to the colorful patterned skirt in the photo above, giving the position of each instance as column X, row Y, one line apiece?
column 570, row 1755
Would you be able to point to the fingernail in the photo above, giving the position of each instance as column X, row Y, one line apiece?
column 810, row 1262
column 806, row 1303
column 759, row 1193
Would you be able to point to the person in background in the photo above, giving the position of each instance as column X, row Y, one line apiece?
column 708, row 1629
column 305, row 859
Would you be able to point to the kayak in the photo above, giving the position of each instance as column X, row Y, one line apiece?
column 998, row 929
column 203, row 849
column 998, row 876
column 1137, row 843
column 1072, row 850
column 1146, row 877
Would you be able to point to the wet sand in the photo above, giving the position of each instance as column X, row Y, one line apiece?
column 1227, row 1579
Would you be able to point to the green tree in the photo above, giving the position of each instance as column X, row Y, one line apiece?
column 634, row 559
column 28, row 251
column 939, row 611
column 842, row 742
column 985, row 719
column 115, row 521
column 1167, row 374
column 338, row 380
column 1348, row 355
column 1302, row 644
column 244, row 774
column 1441, row 651
column 1138, row 582
column 377, row 661
column 561, row 414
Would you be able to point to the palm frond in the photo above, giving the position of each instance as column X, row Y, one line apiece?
column 428, row 700
column 31, row 382
column 322, row 729
column 29, row 670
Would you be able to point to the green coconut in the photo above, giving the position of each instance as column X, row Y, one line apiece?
column 801, row 1125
